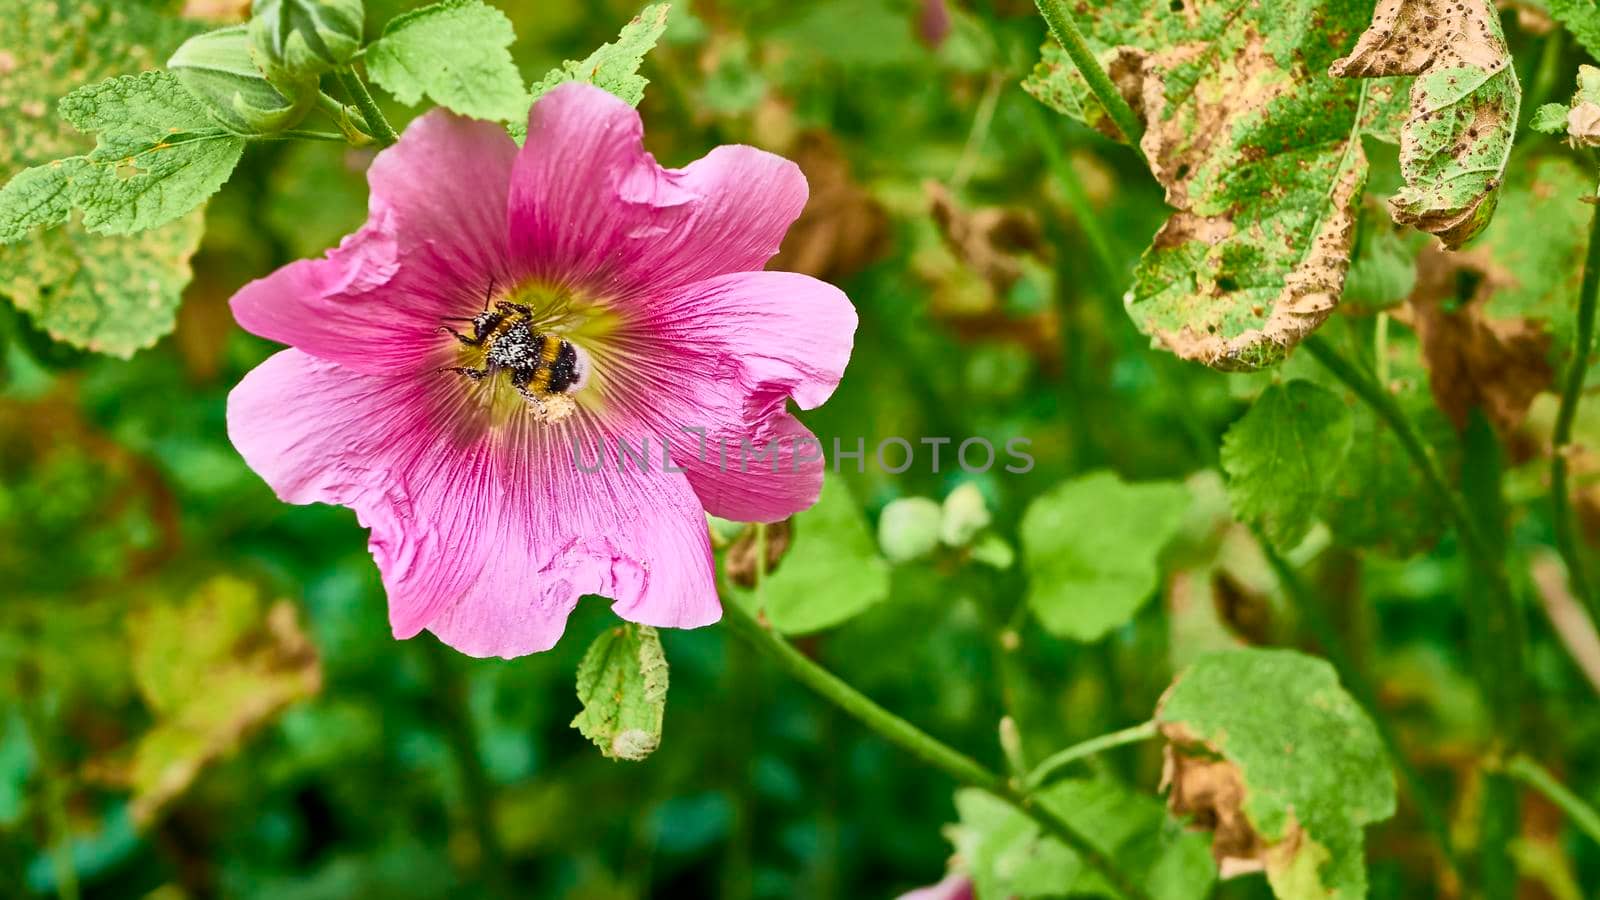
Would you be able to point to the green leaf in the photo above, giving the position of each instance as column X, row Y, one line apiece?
column 1258, row 152
column 622, row 684
column 159, row 156
column 1550, row 118
column 1090, row 547
column 832, row 572
column 1582, row 19
column 1009, row 856
column 1283, row 456
column 615, row 66
column 211, row 669
column 1464, row 106
column 1271, row 734
column 115, row 296
column 457, row 53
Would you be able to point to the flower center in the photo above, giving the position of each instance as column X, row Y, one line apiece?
column 526, row 354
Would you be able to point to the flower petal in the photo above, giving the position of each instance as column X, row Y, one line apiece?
column 589, row 207
column 638, row 537
column 725, row 356
column 375, row 302
column 320, row 433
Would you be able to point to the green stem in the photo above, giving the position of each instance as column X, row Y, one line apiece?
column 1523, row 768
column 378, row 126
column 1067, row 34
column 1376, row 396
column 1571, row 393
column 918, row 743
column 1338, row 653
column 296, row 134
column 1077, row 198
column 1057, row 763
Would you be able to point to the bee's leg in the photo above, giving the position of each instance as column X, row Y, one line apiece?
column 469, row 341
column 474, row 374
column 519, row 380
column 507, row 307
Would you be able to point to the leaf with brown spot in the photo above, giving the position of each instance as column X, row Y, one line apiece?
column 1464, row 106
column 1268, row 752
column 1260, row 156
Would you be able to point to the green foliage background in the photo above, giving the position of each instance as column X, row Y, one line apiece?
column 199, row 695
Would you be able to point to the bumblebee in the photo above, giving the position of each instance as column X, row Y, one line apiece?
column 545, row 370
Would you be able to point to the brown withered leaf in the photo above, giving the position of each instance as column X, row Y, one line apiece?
column 1497, row 322
column 1475, row 361
column 843, row 229
column 1210, row 792
column 1464, row 104
column 990, row 240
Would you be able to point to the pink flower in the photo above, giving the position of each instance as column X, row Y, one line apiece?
column 643, row 311
column 955, row 886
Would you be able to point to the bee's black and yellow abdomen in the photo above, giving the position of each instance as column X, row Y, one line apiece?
column 563, row 373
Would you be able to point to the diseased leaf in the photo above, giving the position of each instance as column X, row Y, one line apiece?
column 1282, row 457
column 615, row 66
column 1496, row 322
column 1090, row 548
column 457, row 53
column 111, row 295
column 622, row 684
column 1266, row 745
column 1008, row 856
column 212, row 669
column 1258, row 152
column 1464, row 106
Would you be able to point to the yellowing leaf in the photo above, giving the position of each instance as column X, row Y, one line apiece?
column 212, row 670
column 1464, row 105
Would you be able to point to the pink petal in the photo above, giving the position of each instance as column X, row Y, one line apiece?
column 955, row 886
column 733, row 351
column 426, row 252
column 639, row 537
column 320, row 433
column 590, row 207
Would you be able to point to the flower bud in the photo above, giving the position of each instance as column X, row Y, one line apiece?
column 965, row 514
column 909, row 529
column 217, row 69
column 298, row 39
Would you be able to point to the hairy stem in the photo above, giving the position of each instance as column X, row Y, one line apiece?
column 919, row 743
column 1067, row 34
column 1523, row 768
column 1571, row 393
column 1055, row 764
column 379, row 127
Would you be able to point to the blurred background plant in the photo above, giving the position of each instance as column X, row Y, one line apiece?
column 202, row 699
